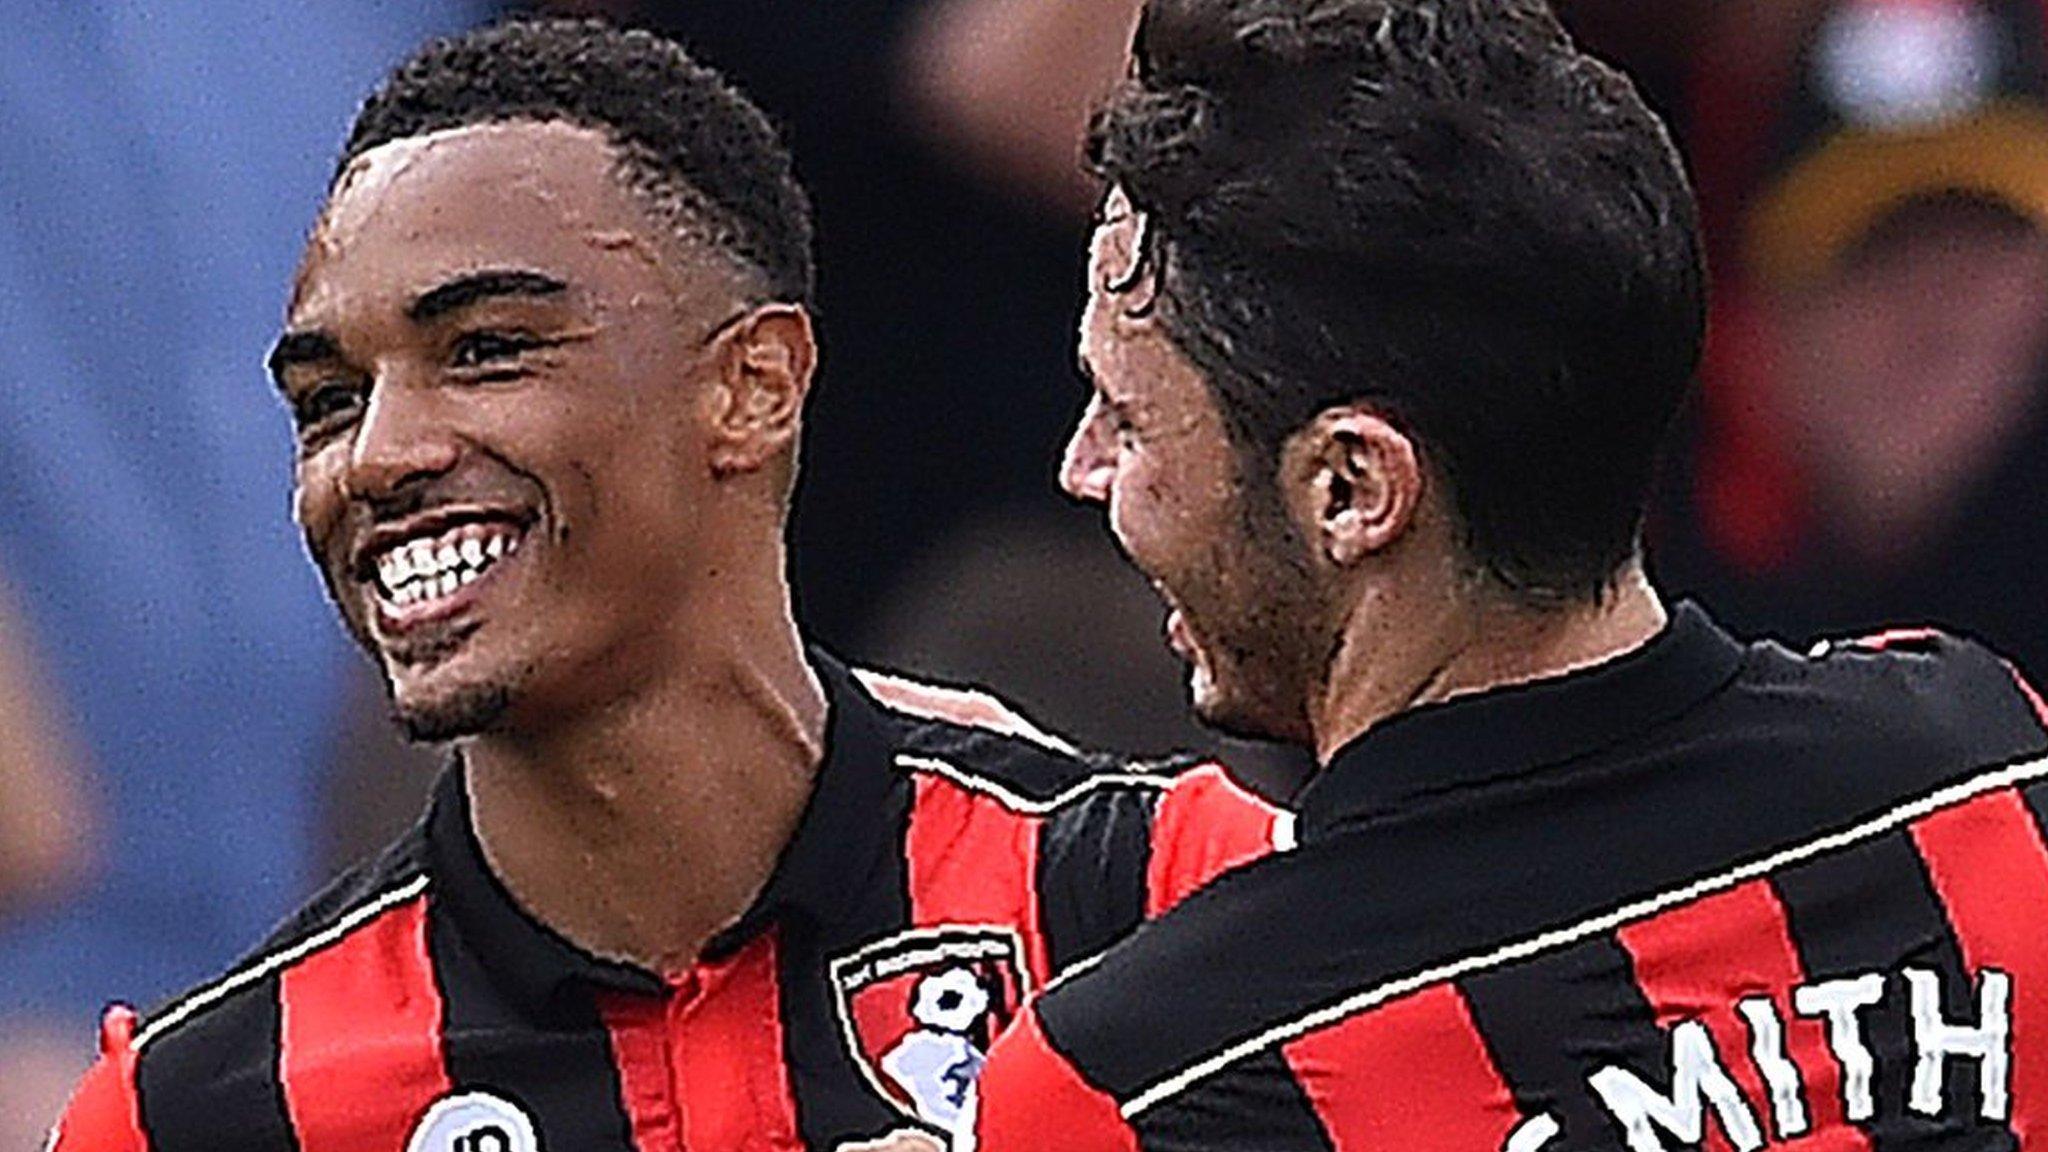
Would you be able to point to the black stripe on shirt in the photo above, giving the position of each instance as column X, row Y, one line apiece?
column 1552, row 1021
column 1255, row 1105
column 558, row 1070
column 834, row 1101
column 1873, row 908
column 1093, row 856
column 2036, row 797
column 212, row 1082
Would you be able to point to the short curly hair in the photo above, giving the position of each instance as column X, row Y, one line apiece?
column 1440, row 208
column 703, row 156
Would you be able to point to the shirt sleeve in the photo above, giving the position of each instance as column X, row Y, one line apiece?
column 1030, row 1097
column 1205, row 826
column 104, row 1114
column 1112, row 858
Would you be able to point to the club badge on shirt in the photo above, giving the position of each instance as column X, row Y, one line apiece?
column 918, row 1010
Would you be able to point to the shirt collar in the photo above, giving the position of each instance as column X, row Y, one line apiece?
column 1513, row 730
column 834, row 838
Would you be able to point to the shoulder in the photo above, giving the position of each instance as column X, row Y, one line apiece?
column 969, row 739
column 1905, row 694
column 206, row 1062
column 969, row 752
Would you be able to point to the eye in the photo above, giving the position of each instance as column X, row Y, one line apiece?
column 326, row 408
column 496, row 352
column 1121, row 426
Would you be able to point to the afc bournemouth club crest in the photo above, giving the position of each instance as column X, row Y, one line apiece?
column 918, row 1011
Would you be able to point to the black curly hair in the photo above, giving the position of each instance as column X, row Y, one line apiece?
column 1441, row 208
column 704, row 157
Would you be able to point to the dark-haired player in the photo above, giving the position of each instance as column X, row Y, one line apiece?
column 1388, row 314
column 690, row 884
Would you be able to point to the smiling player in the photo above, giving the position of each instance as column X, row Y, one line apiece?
column 689, row 882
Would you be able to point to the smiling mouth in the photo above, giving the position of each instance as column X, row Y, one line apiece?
column 425, row 576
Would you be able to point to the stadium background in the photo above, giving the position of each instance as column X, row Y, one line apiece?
column 187, row 746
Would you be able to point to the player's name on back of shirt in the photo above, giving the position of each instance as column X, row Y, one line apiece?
column 1712, row 895
column 1699, row 1079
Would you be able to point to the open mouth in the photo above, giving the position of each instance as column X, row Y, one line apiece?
column 430, row 573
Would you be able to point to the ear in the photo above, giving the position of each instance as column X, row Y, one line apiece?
column 1357, row 482
column 765, row 360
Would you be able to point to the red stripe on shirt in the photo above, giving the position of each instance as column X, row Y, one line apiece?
column 1697, row 962
column 703, row 1067
column 1205, row 826
column 640, row 1050
column 104, row 1114
column 972, row 860
column 1896, row 638
column 729, row 1056
column 1030, row 1099
column 1413, row 1073
column 1990, row 868
column 362, row 1011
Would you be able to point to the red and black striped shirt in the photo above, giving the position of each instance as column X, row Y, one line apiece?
column 1706, row 896
column 942, row 871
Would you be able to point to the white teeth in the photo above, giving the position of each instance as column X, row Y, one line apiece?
column 421, row 570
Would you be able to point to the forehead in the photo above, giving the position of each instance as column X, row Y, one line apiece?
column 1115, row 325
column 1114, row 246
column 517, row 194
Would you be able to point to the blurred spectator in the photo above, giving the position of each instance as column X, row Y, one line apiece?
column 1877, row 410
column 163, row 162
column 948, row 280
column 48, row 844
column 1010, row 85
column 48, row 834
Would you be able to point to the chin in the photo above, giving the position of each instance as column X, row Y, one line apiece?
column 452, row 713
column 1249, row 700
column 1233, row 714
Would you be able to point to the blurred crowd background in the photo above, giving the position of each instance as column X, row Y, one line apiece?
column 188, row 746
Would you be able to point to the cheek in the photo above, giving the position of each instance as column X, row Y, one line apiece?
column 317, row 502
column 1155, row 512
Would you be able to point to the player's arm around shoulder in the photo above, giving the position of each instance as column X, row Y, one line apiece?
column 104, row 1114
column 1031, row 1096
column 1206, row 825
column 1028, row 1098
column 1101, row 824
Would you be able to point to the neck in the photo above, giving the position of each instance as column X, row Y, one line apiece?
column 695, row 781
column 1415, row 645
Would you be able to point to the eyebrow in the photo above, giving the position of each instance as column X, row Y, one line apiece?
column 300, row 348
column 464, row 291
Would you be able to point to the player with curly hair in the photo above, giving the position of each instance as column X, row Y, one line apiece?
column 689, row 881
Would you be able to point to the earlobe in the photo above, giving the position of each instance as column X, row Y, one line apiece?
column 766, row 362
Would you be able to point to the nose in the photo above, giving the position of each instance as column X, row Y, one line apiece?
column 1089, row 467
column 400, row 441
